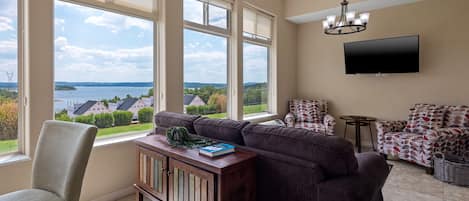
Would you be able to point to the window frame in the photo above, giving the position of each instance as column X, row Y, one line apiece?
column 270, row 44
column 154, row 19
column 20, row 83
column 206, row 28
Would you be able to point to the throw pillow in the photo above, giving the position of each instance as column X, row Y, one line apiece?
column 306, row 110
column 457, row 116
column 425, row 117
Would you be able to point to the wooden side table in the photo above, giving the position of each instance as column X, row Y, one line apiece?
column 167, row 173
column 358, row 122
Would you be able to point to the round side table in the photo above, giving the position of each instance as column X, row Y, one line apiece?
column 358, row 122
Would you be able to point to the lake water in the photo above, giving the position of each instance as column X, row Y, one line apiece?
column 82, row 94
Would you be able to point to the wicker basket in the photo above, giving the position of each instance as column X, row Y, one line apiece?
column 451, row 169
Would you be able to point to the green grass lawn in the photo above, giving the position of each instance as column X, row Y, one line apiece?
column 248, row 109
column 8, row 146
column 106, row 132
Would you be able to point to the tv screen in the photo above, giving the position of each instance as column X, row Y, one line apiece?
column 391, row 55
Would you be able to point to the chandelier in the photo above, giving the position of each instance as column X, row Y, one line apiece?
column 346, row 23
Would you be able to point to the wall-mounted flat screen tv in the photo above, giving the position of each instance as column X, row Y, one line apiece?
column 391, row 55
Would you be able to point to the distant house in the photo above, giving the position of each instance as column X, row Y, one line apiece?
column 90, row 107
column 192, row 100
column 132, row 105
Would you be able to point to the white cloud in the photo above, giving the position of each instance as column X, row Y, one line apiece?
column 74, row 63
column 6, row 24
column 8, row 8
column 8, row 47
column 59, row 22
column 117, row 22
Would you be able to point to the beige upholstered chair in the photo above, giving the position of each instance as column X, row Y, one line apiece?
column 59, row 164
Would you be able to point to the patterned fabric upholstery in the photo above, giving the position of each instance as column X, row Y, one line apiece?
column 418, row 141
column 311, row 115
column 306, row 110
column 457, row 116
column 317, row 127
column 425, row 117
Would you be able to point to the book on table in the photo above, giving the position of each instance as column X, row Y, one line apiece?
column 217, row 149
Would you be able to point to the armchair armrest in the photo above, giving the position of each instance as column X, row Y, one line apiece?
column 364, row 186
column 384, row 127
column 290, row 119
column 443, row 140
column 329, row 122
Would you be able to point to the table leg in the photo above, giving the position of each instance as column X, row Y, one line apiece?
column 358, row 141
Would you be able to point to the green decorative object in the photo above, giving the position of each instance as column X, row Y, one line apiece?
column 179, row 137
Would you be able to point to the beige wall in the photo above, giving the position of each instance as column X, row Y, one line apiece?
column 300, row 7
column 444, row 62
column 112, row 167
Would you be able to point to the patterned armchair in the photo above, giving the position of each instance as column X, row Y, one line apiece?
column 311, row 115
column 429, row 129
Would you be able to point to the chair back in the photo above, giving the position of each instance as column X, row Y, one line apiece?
column 61, row 158
column 294, row 103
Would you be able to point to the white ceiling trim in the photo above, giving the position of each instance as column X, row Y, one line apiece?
column 362, row 6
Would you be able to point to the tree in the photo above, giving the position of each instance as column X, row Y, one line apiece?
column 63, row 116
column 220, row 101
column 8, row 119
column 150, row 92
column 85, row 119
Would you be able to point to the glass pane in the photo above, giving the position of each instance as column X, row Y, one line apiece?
column 194, row 11
column 8, row 76
column 103, row 69
column 205, row 74
column 218, row 16
column 256, row 71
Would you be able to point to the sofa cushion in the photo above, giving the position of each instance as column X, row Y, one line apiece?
column 334, row 155
column 165, row 120
column 457, row 116
column 306, row 110
column 221, row 129
column 424, row 117
column 408, row 146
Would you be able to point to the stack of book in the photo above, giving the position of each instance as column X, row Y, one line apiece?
column 217, row 150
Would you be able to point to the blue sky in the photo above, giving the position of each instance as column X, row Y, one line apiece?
column 98, row 46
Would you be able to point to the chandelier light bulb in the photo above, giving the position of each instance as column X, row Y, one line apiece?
column 325, row 24
column 365, row 17
column 350, row 16
column 357, row 22
column 331, row 19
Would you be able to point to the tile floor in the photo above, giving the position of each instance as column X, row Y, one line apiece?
column 408, row 182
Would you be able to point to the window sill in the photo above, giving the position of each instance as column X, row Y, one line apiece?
column 122, row 138
column 260, row 117
column 9, row 159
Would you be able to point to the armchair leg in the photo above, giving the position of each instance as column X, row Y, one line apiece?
column 429, row 170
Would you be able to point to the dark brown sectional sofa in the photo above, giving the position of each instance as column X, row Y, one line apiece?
column 294, row 164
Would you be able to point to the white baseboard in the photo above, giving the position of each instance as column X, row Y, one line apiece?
column 116, row 195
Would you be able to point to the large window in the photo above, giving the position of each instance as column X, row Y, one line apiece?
column 257, row 32
column 206, row 57
column 104, row 68
column 256, row 79
column 10, row 77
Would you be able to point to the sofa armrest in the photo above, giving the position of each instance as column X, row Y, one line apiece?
column 290, row 119
column 443, row 140
column 384, row 127
column 365, row 185
column 329, row 122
